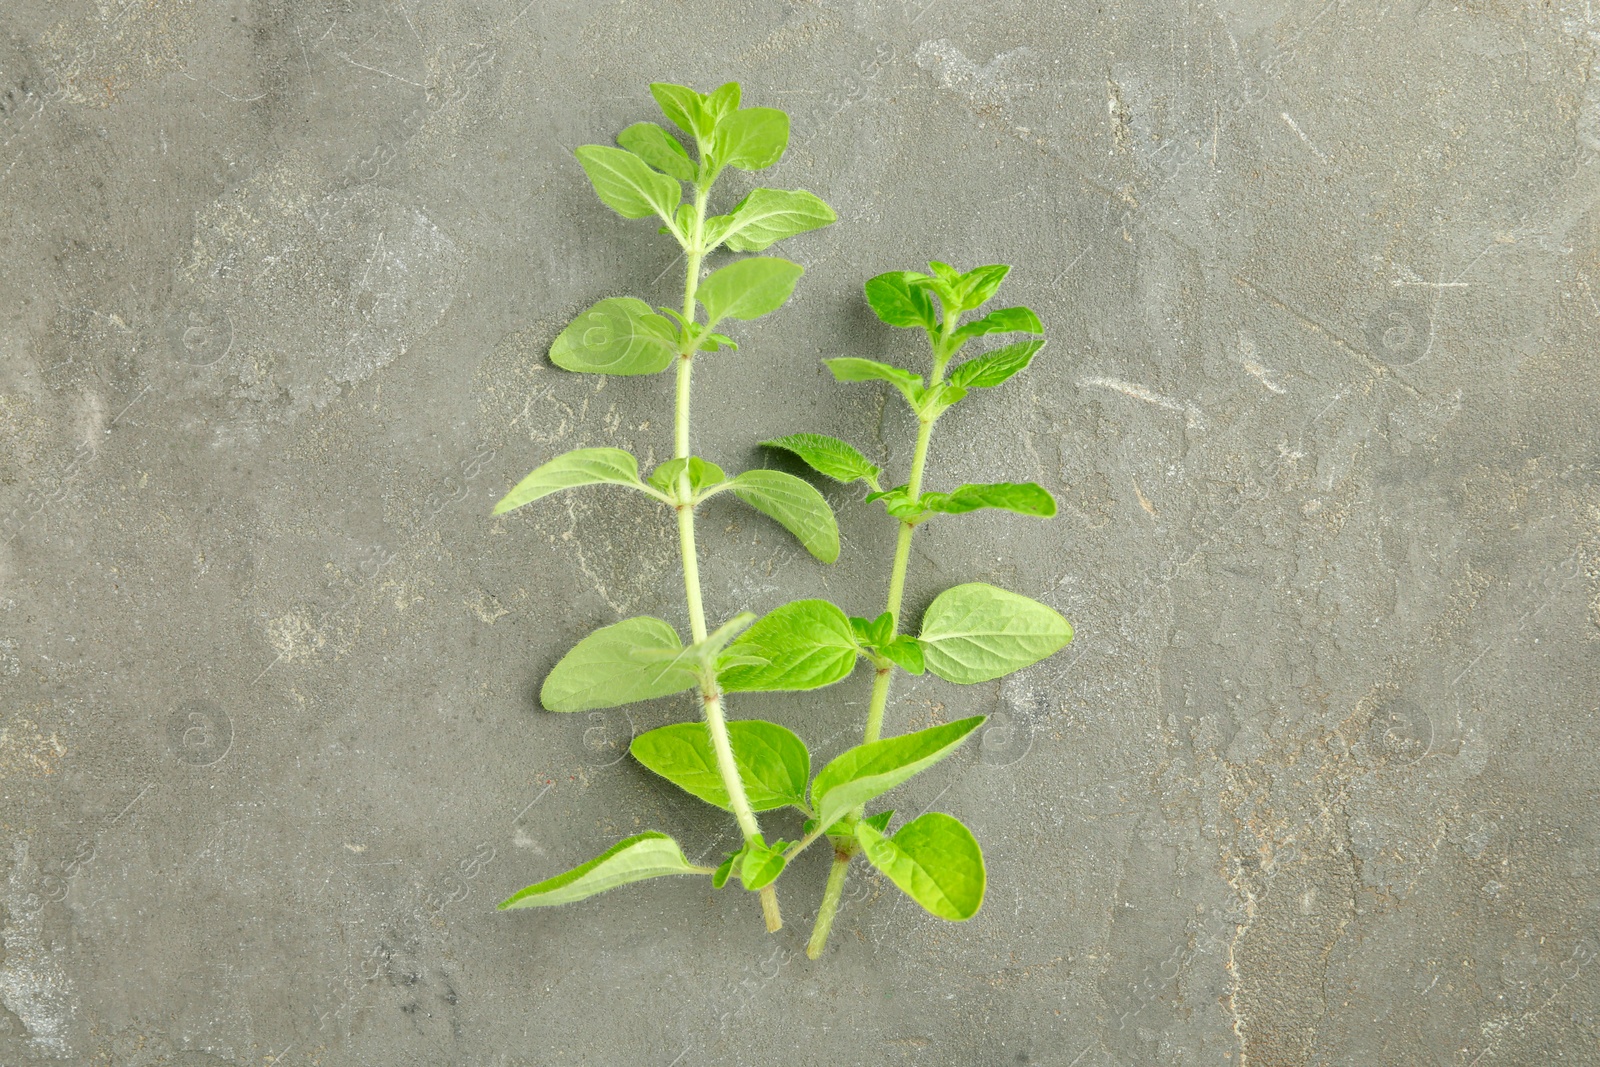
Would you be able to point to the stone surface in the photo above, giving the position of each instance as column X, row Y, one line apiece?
column 1313, row 785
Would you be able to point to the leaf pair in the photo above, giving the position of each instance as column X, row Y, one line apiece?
column 970, row 633
column 928, row 402
column 792, row 502
column 793, row 648
column 934, row 859
column 878, row 639
column 621, row 335
column 774, row 764
column 643, row 176
column 751, row 138
column 758, row 865
column 901, row 298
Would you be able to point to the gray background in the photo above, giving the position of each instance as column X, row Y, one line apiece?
column 1312, row 786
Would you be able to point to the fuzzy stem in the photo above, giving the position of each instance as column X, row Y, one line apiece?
column 712, row 698
column 769, row 909
column 710, row 695
column 691, row 573
column 830, row 905
column 880, row 681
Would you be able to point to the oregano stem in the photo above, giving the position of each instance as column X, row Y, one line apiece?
column 880, row 682
column 830, row 905
column 710, row 694
column 897, row 579
column 691, row 573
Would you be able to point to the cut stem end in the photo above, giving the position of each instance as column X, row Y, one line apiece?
column 769, row 909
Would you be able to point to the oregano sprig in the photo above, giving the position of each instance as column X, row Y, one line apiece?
column 970, row 633
column 644, row 658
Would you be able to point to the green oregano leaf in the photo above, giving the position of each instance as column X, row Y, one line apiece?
column 583, row 466
column 977, row 285
column 659, row 149
column 761, row 864
column 619, row 335
column 1006, row 320
column 794, row 503
column 619, row 664
column 719, row 877
column 766, row 216
column 722, row 101
column 1024, row 498
column 863, row 772
column 828, row 456
column 633, row 859
column 976, row 632
column 627, row 185
column 749, row 288
column 992, row 368
column 934, row 860
column 852, row 369
column 894, row 300
column 932, row 402
column 702, row 475
column 752, row 138
column 905, row 653
column 773, row 763
column 806, row 644
column 684, row 108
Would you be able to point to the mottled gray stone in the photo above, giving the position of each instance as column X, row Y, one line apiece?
column 1313, row 785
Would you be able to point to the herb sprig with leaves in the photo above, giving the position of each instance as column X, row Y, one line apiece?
column 740, row 767
column 971, row 633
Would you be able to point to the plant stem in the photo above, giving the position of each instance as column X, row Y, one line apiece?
column 880, row 701
column 691, row 573
column 710, row 695
column 897, row 580
column 712, row 698
column 830, row 905
column 880, row 681
column 680, row 428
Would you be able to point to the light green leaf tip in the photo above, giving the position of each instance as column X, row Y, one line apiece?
column 583, row 466
column 633, row 859
column 861, row 773
column 796, row 504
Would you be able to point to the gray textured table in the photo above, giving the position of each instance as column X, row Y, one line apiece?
column 1314, row 784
